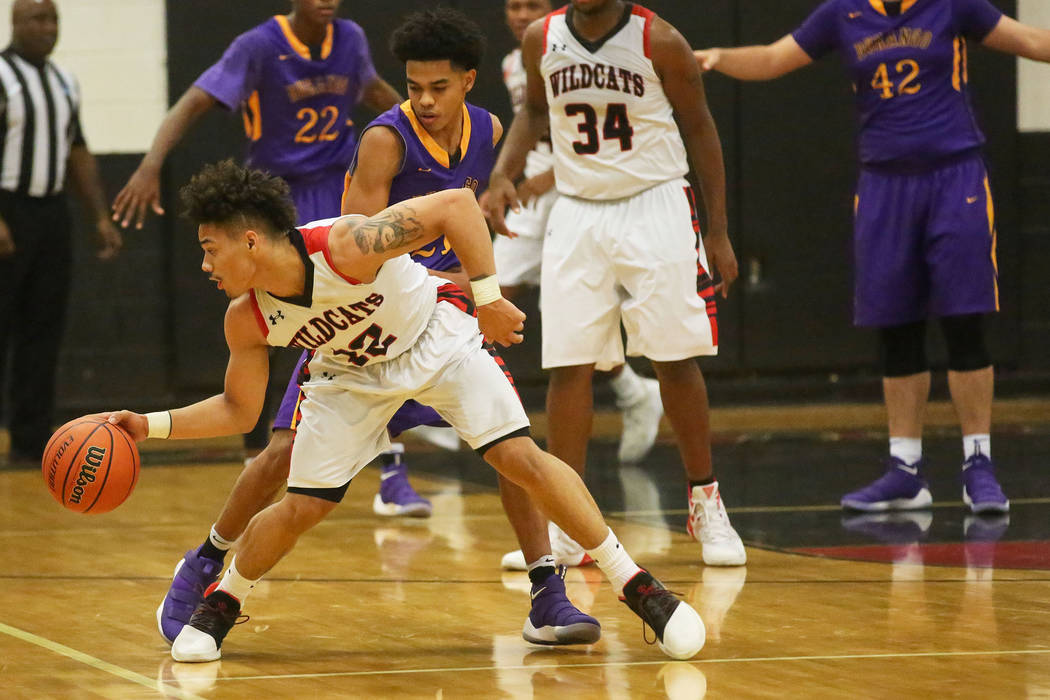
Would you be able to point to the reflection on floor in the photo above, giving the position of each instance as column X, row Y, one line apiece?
column 782, row 493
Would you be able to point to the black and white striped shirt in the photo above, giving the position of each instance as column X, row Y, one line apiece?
column 39, row 124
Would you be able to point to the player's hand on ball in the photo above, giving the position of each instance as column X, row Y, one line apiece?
column 722, row 258
column 134, row 423
column 500, row 195
column 501, row 322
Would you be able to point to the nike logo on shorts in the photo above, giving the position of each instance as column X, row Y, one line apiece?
column 971, row 200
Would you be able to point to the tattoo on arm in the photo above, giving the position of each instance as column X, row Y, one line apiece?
column 392, row 229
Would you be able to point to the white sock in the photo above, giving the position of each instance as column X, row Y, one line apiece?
column 978, row 443
column 545, row 560
column 235, row 584
column 627, row 386
column 615, row 562
column 220, row 542
column 908, row 450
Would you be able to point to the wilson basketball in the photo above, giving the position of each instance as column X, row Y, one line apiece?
column 90, row 465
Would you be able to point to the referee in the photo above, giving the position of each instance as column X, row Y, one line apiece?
column 40, row 144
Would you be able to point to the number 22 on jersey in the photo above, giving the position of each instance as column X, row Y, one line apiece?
column 318, row 126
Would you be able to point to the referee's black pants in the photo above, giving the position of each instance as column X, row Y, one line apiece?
column 34, row 294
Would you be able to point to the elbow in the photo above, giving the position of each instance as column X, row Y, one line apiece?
column 462, row 199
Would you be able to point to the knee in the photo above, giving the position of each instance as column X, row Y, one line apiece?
column 517, row 460
column 964, row 338
column 902, row 349
column 570, row 376
column 300, row 512
column 676, row 370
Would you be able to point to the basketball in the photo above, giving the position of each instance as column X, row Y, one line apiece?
column 90, row 465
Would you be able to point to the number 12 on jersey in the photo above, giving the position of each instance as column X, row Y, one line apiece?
column 616, row 127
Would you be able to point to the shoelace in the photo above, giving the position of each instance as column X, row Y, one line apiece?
column 211, row 616
column 661, row 593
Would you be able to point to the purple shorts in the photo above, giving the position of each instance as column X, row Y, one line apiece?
column 924, row 244
column 411, row 414
column 317, row 196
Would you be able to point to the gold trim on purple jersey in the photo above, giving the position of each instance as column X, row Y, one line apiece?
column 437, row 152
column 299, row 47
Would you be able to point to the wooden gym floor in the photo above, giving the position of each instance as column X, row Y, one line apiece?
column 829, row 604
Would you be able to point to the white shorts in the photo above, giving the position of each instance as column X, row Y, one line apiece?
column 343, row 425
column 638, row 260
column 518, row 259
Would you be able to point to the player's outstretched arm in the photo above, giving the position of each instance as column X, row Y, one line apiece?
column 529, row 126
column 233, row 411
column 755, row 62
column 1011, row 36
column 142, row 190
column 684, row 88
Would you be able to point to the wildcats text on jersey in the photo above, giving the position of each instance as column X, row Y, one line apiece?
column 322, row 328
column 582, row 76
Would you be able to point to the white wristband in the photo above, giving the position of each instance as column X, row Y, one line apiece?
column 485, row 290
column 159, row 424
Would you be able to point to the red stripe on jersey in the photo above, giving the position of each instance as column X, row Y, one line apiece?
column 316, row 239
column 502, row 365
column 547, row 24
column 451, row 293
column 648, row 15
column 258, row 315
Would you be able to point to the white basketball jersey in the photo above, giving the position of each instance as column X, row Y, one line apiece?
column 539, row 160
column 345, row 322
column 612, row 127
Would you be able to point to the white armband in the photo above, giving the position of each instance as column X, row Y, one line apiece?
column 159, row 424
column 485, row 290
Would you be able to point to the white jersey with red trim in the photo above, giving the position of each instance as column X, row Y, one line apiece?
column 612, row 126
column 345, row 322
column 539, row 160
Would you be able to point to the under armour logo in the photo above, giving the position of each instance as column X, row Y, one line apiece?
column 275, row 317
column 559, row 47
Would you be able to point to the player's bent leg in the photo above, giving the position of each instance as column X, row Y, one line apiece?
column 256, row 487
column 553, row 618
column 685, row 401
column 270, row 535
column 560, row 493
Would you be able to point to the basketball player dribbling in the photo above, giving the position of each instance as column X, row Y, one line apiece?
column 623, row 240
column 391, row 332
column 433, row 141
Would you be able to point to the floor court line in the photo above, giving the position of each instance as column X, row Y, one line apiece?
column 88, row 660
column 535, row 667
column 801, row 509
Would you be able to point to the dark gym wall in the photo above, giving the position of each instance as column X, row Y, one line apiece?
column 790, row 168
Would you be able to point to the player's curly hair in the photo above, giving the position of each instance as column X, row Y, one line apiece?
column 224, row 192
column 439, row 34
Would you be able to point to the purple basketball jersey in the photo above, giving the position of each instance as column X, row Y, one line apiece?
column 426, row 167
column 297, row 106
column 909, row 73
